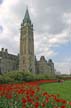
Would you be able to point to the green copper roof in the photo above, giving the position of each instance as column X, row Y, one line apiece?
column 27, row 17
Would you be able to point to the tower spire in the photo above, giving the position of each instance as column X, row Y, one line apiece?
column 27, row 17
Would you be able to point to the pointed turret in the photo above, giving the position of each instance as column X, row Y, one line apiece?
column 27, row 17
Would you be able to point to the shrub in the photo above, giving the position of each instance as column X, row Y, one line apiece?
column 19, row 76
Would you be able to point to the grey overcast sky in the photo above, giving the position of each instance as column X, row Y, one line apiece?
column 52, row 28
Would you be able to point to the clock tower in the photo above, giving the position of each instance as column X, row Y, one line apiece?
column 26, row 57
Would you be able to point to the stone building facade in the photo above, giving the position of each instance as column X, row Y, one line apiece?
column 26, row 61
column 8, row 62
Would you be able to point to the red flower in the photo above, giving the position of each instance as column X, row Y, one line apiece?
column 20, row 91
column 45, row 94
column 9, row 96
column 43, row 105
column 32, row 93
column 70, row 103
column 24, row 100
column 30, row 100
column 36, row 104
column 37, row 98
column 47, row 100
column 63, row 106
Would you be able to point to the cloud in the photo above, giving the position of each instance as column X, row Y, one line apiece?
column 64, row 66
column 10, row 41
column 59, row 39
column 1, row 29
column 1, row 1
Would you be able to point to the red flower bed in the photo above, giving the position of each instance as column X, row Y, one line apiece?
column 41, row 82
column 27, row 96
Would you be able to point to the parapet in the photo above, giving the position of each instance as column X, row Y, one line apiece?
column 50, row 62
column 42, row 58
column 4, row 50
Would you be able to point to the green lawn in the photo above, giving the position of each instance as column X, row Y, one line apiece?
column 57, row 88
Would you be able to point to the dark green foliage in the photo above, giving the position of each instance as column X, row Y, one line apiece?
column 17, row 76
column 65, row 77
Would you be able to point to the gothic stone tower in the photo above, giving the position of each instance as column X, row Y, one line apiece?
column 27, row 58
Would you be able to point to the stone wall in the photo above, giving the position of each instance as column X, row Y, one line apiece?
column 8, row 62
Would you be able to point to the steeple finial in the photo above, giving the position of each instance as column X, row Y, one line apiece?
column 27, row 17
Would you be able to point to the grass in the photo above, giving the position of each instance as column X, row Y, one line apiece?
column 57, row 88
